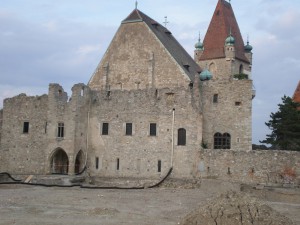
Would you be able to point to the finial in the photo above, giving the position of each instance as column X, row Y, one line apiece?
column 166, row 21
column 247, row 39
column 136, row 4
column 199, row 36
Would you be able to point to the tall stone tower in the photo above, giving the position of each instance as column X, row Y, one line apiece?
column 226, row 82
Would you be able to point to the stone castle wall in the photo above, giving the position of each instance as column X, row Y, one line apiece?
column 24, row 152
column 139, row 153
column 249, row 167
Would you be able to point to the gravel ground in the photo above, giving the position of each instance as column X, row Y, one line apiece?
column 29, row 205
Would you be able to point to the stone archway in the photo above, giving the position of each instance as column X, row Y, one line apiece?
column 79, row 162
column 59, row 162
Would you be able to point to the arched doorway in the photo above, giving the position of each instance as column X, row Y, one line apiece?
column 59, row 162
column 79, row 162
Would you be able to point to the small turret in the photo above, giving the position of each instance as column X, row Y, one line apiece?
column 205, row 75
column 230, row 46
column 199, row 48
column 248, row 51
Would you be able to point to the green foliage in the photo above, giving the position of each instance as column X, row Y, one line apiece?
column 240, row 76
column 204, row 145
column 285, row 126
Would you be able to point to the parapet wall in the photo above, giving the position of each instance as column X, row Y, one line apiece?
column 255, row 166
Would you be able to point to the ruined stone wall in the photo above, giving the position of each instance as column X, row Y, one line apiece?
column 22, row 150
column 72, row 112
column 139, row 153
column 137, row 60
column 249, row 167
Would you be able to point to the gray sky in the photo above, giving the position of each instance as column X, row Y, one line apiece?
column 47, row 41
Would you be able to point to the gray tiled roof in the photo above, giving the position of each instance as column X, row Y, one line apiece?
column 186, row 62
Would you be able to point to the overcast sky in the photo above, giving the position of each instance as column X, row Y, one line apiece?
column 47, row 41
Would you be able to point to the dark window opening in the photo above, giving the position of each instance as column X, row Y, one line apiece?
column 181, row 136
column 128, row 129
column 105, row 129
column 241, row 69
column 46, row 126
column 159, row 166
column 60, row 130
column 97, row 163
column 25, row 127
column 238, row 103
column 215, row 98
column 222, row 141
column 152, row 129
column 118, row 164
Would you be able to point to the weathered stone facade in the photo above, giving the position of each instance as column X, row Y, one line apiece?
column 145, row 110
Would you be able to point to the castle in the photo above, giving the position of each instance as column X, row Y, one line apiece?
column 149, row 106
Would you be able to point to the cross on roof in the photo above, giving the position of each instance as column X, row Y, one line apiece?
column 166, row 21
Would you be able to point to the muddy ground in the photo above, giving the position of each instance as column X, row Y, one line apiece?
column 29, row 205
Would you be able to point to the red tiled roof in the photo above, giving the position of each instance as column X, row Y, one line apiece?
column 296, row 96
column 222, row 22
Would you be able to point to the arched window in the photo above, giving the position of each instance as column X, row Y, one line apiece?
column 218, row 140
column 222, row 141
column 241, row 70
column 181, row 136
column 226, row 141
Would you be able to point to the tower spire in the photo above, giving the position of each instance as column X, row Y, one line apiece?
column 136, row 4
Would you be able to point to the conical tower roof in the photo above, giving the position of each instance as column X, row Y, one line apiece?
column 222, row 22
column 296, row 96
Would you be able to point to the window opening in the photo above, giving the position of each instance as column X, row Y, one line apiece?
column 222, row 141
column 25, row 127
column 118, row 164
column 181, row 136
column 159, row 166
column 241, row 70
column 105, row 129
column 238, row 103
column 60, row 130
column 46, row 126
column 97, row 162
column 215, row 98
column 128, row 129
column 152, row 129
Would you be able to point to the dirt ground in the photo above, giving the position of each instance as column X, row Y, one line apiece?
column 29, row 205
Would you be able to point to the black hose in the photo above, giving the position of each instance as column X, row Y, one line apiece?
column 81, row 172
column 82, row 186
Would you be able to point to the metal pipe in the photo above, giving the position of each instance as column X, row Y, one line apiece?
column 172, row 153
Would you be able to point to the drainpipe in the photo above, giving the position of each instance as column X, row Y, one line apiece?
column 173, row 121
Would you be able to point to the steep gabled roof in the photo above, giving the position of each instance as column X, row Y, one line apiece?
column 296, row 96
column 186, row 62
column 223, row 20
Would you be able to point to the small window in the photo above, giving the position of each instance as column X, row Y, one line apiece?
column 97, row 162
column 128, row 129
column 46, row 126
column 61, row 130
column 25, row 127
column 238, row 103
column 215, row 98
column 105, row 129
column 226, row 141
column 159, row 166
column 218, row 140
column 181, row 136
column 152, row 129
column 118, row 164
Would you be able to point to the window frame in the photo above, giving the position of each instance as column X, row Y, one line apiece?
column 128, row 129
column 153, row 129
column 105, row 128
column 181, row 137
column 61, row 130
column 26, row 127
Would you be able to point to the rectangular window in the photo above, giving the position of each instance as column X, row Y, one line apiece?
column 97, row 163
column 105, row 129
column 118, row 164
column 128, row 129
column 238, row 103
column 60, row 130
column 159, row 166
column 26, row 128
column 152, row 129
column 46, row 125
column 215, row 98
